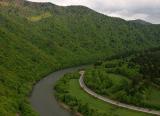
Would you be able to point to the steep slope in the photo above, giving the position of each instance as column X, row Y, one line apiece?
column 37, row 38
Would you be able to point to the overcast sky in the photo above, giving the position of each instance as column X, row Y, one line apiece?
column 148, row 10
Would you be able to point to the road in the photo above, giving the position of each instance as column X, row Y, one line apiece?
column 116, row 103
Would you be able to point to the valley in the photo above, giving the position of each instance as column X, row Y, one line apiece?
column 117, row 82
column 37, row 39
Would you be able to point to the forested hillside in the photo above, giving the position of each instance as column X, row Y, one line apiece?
column 133, row 80
column 39, row 38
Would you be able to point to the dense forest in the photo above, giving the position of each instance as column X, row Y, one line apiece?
column 39, row 38
column 134, row 79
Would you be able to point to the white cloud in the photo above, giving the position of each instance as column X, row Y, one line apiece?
column 128, row 9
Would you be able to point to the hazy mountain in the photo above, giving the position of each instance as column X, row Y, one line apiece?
column 139, row 21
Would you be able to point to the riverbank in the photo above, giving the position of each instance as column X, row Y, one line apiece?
column 67, row 108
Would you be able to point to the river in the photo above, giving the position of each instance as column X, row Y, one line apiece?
column 42, row 98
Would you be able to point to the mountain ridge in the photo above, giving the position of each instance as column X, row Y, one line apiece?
column 140, row 21
column 27, row 2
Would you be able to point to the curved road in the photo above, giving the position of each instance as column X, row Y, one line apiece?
column 89, row 91
column 42, row 98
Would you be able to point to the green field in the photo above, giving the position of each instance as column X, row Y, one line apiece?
column 152, row 93
column 75, row 91
column 153, row 96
